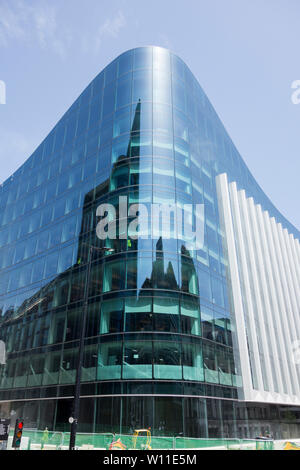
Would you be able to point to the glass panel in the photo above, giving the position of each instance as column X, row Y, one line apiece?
column 112, row 316
column 74, row 322
column 125, row 63
column 207, row 319
column 57, row 329
column 166, row 306
column 141, row 117
column 204, row 285
column 114, row 276
column 192, row 362
column 69, row 365
column 143, row 58
column 109, row 361
column 217, row 292
column 122, row 122
column 161, row 87
column 188, row 277
column 163, row 172
column 190, row 318
column 52, row 368
column 166, row 323
column 142, row 86
column 21, row 372
column 36, row 370
column 89, row 363
column 210, row 363
column 224, row 366
column 124, row 86
column 167, row 361
column 51, row 265
column 137, row 361
column 109, row 99
column 138, row 314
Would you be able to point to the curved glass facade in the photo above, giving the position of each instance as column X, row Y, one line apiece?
column 158, row 348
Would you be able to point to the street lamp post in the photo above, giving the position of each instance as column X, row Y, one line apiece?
column 76, row 404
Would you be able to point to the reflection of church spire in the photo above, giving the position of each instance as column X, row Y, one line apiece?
column 161, row 278
column 135, row 132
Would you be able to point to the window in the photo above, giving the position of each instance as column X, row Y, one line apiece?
column 190, row 318
column 204, row 284
column 125, row 63
column 52, row 367
column 51, row 265
column 109, row 99
column 167, row 360
column 142, row 85
column 109, row 361
column 137, row 362
column 124, row 86
column 138, row 314
column 210, row 363
column 207, row 318
column 113, row 278
column 112, row 316
column 192, row 362
column 69, row 365
column 217, row 292
column 89, row 363
column 188, row 277
column 122, row 122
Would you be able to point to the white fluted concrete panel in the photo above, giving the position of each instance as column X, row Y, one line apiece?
column 264, row 266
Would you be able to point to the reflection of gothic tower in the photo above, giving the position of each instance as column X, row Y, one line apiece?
column 119, row 177
column 188, row 270
column 161, row 277
column 133, row 149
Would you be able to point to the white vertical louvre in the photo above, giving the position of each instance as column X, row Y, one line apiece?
column 241, row 337
column 264, row 266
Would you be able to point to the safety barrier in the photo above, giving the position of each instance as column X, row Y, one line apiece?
column 47, row 440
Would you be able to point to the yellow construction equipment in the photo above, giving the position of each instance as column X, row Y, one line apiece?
column 117, row 445
column 139, row 433
column 291, row 446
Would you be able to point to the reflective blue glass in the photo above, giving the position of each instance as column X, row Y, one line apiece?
column 159, row 310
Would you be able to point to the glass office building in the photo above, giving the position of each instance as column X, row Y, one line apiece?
column 185, row 340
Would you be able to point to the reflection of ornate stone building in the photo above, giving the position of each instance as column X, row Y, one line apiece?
column 179, row 339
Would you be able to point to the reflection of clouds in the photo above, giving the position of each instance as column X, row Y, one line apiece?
column 14, row 146
column 36, row 21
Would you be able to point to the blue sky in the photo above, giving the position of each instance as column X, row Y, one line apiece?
column 245, row 54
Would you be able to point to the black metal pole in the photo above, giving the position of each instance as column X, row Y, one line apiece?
column 76, row 403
